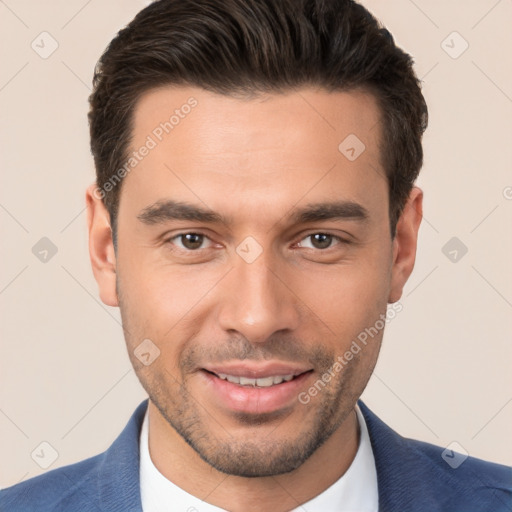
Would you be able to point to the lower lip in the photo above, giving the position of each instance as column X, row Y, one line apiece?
column 254, row 400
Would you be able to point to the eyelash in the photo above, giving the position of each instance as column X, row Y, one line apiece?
column 336, row 238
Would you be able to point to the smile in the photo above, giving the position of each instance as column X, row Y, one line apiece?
column 265, row 382
column 254, row 388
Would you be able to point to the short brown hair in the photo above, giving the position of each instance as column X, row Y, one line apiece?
column 250, row 46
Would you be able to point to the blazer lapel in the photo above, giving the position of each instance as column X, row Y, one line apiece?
column 118, row 473
column 401, row 470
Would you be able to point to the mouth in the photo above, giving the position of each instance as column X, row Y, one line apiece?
column 262, row 382
column 254, row 390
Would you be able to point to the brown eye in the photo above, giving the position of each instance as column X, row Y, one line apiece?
column 321, row 240
column 318, row 241
column 191, row 241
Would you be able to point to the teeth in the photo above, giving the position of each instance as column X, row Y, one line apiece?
column 244, row 381
column 264, row 382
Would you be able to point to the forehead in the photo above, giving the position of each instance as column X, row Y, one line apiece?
column 216, row 119
column 273, row 148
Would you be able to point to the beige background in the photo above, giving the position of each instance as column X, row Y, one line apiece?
column 444, row 372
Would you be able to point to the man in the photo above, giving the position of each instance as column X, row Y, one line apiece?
column 254, row 213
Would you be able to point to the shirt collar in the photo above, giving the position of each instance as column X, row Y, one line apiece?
column 355, row 491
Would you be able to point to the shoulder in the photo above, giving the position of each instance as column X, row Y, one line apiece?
column 51, row 490
column 460, row 481
column 423, row 476
column 108, row 481
column 462, row 467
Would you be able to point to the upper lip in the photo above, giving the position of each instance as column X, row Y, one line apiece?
column 257, row 370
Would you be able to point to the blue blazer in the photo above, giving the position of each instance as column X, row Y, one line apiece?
column 412, row 477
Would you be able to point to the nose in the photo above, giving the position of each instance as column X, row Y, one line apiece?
column 257, row 302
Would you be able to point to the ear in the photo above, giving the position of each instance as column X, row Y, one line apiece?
column 101, row 246
column 405, row 242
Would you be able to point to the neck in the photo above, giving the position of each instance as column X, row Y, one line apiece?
column 180, row 464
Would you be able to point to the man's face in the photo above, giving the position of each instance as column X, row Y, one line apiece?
column 251, row 247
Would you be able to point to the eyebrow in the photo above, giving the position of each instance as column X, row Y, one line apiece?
column 163, row 211
column 167, row 210
column 331, row 211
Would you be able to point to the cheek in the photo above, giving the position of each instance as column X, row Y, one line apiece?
column 162, row 303
column 349, row 297
column 158, row 291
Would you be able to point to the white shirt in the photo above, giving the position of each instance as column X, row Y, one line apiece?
column 355, row 491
